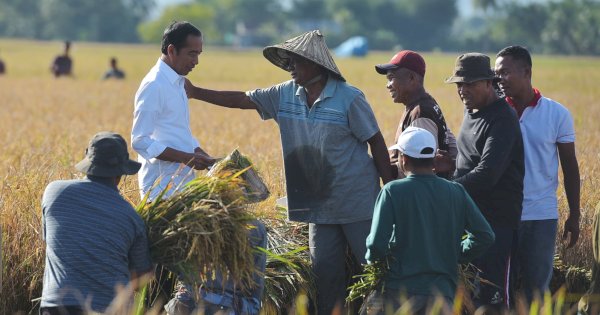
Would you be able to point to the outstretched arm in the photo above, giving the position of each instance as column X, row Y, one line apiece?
column 230, row 99
column 568, row 162
column 199, row 160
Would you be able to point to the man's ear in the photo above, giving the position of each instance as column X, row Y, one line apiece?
column 171, row 50
column 528, row 72
column 403, row 162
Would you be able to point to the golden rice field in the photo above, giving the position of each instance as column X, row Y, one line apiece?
column 45, row 125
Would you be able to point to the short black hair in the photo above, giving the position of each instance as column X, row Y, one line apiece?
column 176, row 34
column 517, row 53
column 420, row 163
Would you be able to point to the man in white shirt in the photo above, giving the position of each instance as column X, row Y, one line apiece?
column 168, row 151
column 548, row 134
column 161, row 133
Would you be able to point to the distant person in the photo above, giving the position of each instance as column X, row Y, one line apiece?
column 490, row 165
column 95, row 240
column 405, row 74
column 326, row 128
column 114, row 71
column 418, row 228
column 548, row 135
column 2, row 67
column 63, row 64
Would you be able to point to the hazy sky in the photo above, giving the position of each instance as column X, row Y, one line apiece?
column 465, row 7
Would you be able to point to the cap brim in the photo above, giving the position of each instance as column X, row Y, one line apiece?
column 383, row 68
column 394, row 147
column 131, row 167
column 83, row 165
column 86, row 166
column 455, row 79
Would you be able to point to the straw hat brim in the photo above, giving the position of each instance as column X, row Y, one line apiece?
column 310, row 45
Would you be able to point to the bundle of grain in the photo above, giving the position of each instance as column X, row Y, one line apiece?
column 288, row 273
column 254, row 189
column 200, row 230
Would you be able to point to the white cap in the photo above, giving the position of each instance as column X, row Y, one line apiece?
column 416, row 142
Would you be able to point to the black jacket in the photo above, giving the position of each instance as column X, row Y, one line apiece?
column 490, row 162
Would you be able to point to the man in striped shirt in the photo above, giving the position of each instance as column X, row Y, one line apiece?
column 95, row 241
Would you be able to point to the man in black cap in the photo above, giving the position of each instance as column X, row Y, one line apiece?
column 405, row 74
column 490, row 165
column 95, row 240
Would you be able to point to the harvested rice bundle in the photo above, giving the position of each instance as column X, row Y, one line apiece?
column 288, row 273
column 201, row 230
column 287, row 276
column 372, row 279
column 254, row 189
column 367, row 282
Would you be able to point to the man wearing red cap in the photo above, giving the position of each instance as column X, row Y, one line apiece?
column 405, row 73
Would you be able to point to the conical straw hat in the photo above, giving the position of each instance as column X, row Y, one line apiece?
column 310, row 45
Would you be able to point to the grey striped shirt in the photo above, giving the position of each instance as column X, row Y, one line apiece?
column 94, row 238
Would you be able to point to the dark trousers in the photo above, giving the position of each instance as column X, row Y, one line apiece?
column 495, row 268
column 62, row 310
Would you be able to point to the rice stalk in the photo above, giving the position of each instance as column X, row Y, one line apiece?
column 372, row 279
column 254, row 188
column 201, row 230
column 288, row 273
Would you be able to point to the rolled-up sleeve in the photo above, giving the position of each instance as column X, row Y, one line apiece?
column 266, row 100
column 147, row 110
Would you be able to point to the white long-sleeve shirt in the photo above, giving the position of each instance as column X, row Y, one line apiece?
column 161, row 119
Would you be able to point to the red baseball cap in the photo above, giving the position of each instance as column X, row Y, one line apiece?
column 404, row 59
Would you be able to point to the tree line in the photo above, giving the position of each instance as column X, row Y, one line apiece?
column 558, row 27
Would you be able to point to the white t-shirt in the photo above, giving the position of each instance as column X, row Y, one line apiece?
column 543, row 126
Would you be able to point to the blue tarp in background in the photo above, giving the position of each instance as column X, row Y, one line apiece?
column 356, row 46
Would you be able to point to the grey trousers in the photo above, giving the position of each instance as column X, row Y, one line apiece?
column 328, row 244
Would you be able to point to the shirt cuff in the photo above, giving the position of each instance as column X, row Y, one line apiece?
column 155, row 149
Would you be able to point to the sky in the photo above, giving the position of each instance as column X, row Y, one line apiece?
column 465, row 7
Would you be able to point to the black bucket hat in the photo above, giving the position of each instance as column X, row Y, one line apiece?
column 107, row 156
column 471, row 67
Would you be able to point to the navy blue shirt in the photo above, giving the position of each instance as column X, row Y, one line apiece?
column 94, row 238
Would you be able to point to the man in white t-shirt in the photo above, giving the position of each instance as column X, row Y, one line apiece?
column 548, row 134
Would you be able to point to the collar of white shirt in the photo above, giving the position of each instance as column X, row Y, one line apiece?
column 172, row 76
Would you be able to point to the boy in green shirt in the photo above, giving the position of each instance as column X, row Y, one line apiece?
column 418, row 226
